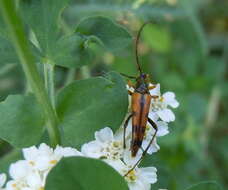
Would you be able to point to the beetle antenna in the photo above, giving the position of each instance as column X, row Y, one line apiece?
column 128, row 76
column 136, row 44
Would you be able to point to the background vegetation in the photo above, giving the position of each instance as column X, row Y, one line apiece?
column 186, row 52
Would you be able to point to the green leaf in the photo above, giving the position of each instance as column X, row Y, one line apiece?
column 157, row 38
column 84, row 174
column 105, row 32
column 71, row 51
column 21, row 121
column 67, row 51
column 42, row 17
column 86, row 106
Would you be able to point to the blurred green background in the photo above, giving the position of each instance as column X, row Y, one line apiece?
column 186, row 52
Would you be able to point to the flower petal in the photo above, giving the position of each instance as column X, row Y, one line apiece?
column 149, row 174
column 162, row 128
column 152, row 115
column 129, row 160
column 2, row 180
column 66, row 152
column 153, row 148
column 137, row 185
column 169, row 99
column 19, row 169
column 34, row 180
column 92, row 149
column 155, row 91
column 104, row 135
column 30, row 153
column 166, row 115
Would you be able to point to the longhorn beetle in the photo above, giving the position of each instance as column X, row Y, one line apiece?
column 140, row 104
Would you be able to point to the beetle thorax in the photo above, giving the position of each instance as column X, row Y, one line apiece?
column 141, row 84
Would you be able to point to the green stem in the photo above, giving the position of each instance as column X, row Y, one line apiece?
column 49, row 81
column 16, row 32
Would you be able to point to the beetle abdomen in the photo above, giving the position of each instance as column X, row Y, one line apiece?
column 140, row 110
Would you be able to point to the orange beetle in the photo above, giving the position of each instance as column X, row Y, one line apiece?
column 140, row 106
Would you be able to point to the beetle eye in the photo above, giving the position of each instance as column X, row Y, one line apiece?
column 143, row 75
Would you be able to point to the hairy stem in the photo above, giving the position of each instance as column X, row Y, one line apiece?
column 16, row 32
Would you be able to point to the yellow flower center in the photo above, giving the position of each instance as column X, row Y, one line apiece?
column 53, row 162
column 32, row 163
column 131, row 177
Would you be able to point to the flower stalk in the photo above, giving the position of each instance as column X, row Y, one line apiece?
column 49, row 76
column 20, row 43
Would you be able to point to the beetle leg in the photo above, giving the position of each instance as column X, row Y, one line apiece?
column 125, row 127
column 153, row 124
column 130, row 92
column 154, row 97
column 152, row 87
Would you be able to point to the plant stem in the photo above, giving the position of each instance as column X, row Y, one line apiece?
column 49, row 81
column 16, row 32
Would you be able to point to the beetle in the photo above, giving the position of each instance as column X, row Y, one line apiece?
column 140, row 105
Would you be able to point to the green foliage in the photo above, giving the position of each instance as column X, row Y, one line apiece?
column 42, row 17
column 157, row 38
column 70, row 50
column 102, row 30
column 82, row 173
column 86, row 106
column 21, row 117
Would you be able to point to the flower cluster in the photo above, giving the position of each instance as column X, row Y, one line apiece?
column 31, row 173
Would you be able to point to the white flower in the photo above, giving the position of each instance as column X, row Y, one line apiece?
column 42, row 158
column 19, row 170
column 139, row 178
column 66, row 152
column 31, row 173
column 2, row 180
column 24, row 177
column 160, row 106
column 36, row 181
column 14, row 185
column 105, row 146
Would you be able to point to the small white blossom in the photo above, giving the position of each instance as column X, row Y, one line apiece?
column 106, row 145
column 19, row 170
column 41, row 158
column 139, row 178
column 160, row 106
